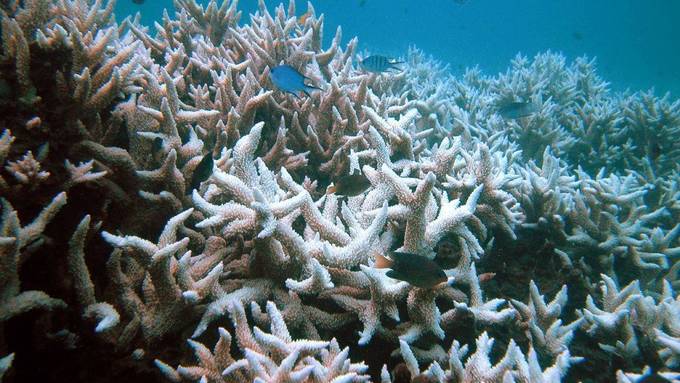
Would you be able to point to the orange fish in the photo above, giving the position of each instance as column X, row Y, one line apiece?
column 303, row 18
column 485, row 277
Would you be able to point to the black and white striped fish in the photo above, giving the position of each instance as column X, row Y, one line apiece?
column 379, row 64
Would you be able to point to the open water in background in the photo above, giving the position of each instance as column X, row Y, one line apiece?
column 636, row 42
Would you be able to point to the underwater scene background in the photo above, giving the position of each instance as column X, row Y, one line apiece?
column 437, row 191
column 633, row 41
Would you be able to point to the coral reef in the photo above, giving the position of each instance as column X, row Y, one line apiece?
column 134, row 259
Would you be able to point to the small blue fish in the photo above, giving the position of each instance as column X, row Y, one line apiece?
column 289, row 80
column 379, row 64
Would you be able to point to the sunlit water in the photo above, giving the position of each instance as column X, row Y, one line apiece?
column 635, row 42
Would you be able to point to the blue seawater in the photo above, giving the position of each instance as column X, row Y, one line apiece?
column 635, row 42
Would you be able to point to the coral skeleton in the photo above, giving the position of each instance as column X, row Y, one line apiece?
column 543, row 324
column 513, row 366
column 268, row 357
column 199, row 207
column 17, row 242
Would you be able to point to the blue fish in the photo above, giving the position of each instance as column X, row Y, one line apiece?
column 289, row 80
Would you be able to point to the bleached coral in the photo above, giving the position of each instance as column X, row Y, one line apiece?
column 636, row 322
column 17, row 242
column 27, row 170
column 139, row 110
column 529, row 369
column 268, row 357
column 671, row 348
column 104, row 313
column 511, row 367
column 542, row 321
column 647, row 373
column 5, row 364
column 172, row 285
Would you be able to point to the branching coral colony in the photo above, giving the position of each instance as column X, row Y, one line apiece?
column 558, row 232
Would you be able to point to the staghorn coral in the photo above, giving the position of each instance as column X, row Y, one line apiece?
column 171, row 286
column 579, row 118
column 269, row 357
column 647, row 373
column 546, row 332
column 513, row 365
column 636, row 323
column 18, row 243
column 137, row 109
